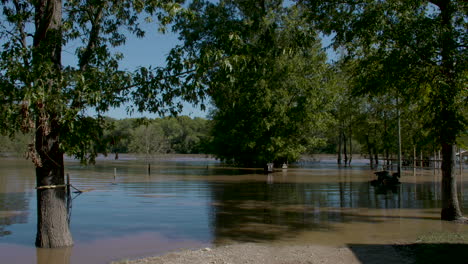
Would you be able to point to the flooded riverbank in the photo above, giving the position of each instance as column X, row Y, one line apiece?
column 192, row 202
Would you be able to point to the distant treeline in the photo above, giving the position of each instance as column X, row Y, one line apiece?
column 186, row 135
column 181, row 134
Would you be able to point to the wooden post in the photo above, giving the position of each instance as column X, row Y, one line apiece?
column 115, row 174
column 414, row 159
column 149, row 169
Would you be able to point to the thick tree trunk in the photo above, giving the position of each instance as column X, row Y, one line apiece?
column 52, row 225
column 450, row 207
column 447, row 92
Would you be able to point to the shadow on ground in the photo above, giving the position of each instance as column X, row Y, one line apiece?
column 420, row 253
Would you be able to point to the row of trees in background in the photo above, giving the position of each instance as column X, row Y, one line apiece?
column 180, row 134
column 156, row 136
column 355, row 125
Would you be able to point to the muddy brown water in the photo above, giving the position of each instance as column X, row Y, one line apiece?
column 192, row 202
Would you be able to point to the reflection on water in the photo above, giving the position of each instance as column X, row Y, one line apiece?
column 196, row 202
column 16, row 189
column 13, row 210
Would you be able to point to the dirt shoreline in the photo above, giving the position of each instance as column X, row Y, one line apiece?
column 252, row 253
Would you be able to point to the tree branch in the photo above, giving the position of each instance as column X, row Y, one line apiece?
column 93, row 38
column 22, row 38
column 42, row 19
column 158, row 79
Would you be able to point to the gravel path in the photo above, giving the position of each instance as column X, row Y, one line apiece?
column 251, row 253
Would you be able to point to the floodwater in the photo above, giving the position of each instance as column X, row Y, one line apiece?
column 193, row 202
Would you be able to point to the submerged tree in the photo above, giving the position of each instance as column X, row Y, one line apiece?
column 416, row 48
column 41, row 95
column 265, row 73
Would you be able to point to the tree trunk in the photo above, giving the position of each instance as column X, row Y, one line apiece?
column 446, row 93
column 350, row 145
column 387, row 159
column 369, row 150
column 450, row 207
column 345, row 151
column 339, row 148
column 422, row 162
column 52, row 224
column 399, row 137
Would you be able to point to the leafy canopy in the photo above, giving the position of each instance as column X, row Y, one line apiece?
column 416, row 50
column 263, row 69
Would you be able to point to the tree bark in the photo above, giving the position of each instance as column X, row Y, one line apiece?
column 52, row 223
column 450, row 207
column 446, row 94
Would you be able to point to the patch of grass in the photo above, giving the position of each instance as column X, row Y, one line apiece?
column 444, row 237
column 437, row 247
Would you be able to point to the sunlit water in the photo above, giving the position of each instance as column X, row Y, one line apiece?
column 189, row 202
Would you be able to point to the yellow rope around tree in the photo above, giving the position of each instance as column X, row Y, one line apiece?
column 50, row 186
column 63, row 185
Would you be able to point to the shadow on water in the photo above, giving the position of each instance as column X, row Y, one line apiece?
column 416, row 253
